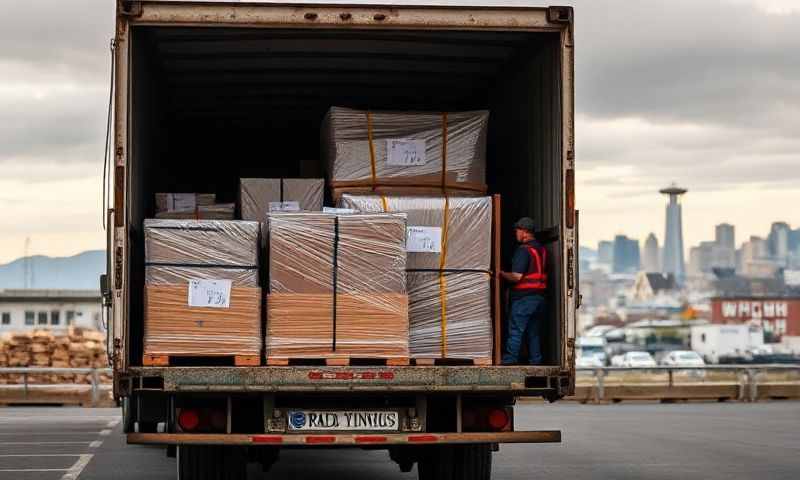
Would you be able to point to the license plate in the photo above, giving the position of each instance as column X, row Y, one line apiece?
column 355, row 420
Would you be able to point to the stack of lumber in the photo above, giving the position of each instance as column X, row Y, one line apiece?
column 77, row 348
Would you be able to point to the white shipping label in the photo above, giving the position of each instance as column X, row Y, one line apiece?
column 210, row 293
column 284, row 206
column 178, row 202
column 337, row 210
column 424, row 239
column 405, row 152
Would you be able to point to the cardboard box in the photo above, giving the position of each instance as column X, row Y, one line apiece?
column 192, row 206
column 201, row 288
column 461, row 330
column 407, row 150
column 450, row 311
column 260, row 196
column 337, row 286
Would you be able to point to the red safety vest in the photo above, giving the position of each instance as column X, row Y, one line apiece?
column 536, row 278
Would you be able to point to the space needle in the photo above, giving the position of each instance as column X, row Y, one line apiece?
column 673, row 262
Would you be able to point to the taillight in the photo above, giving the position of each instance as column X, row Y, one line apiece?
column 498, row 419
column 189, row 420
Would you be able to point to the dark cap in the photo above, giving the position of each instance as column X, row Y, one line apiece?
column 525, row 223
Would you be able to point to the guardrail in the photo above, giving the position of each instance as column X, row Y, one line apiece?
column 93, row 394
column 748, row 383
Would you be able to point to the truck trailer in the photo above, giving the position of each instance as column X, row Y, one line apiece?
column 207, row 92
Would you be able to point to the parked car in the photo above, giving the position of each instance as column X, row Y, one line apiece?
column 683, row 358
column 638, row 360
column 616, row 360
column 589, row 361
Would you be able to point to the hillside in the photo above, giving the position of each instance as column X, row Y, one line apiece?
column 77, row 272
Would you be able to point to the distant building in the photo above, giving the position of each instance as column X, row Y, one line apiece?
column 651, row 261
column 725, row 235
column 605, row 252
column 777, row 315
column 29, row 309
column 649, row 285
column 778, row 241
column 701, row 258
column 753, row 253
column 673, row 261
column 626, row 258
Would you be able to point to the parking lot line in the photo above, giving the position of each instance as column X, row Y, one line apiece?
column 19, row 470
column 41, row 455
column 45, row 443
column 75, row 470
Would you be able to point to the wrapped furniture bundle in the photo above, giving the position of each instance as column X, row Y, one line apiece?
column 201, row 290
column 337, row 287
column 197, row 206
column 259, row 196
column 405, row 152
column 448, row 272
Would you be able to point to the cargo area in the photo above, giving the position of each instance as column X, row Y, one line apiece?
column 209, row 106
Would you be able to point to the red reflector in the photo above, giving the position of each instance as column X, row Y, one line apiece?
column 422, row 438
column 267, row 439
column 321, row 439
column 370, row 439
column 368, row 376
column 386, row 375
column 344, row 375
column 315, row 375
column 498, row 419
column 188, row 420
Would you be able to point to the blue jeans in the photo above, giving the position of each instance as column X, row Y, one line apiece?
column 524, row 321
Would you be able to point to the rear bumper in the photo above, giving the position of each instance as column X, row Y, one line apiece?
column 545, row 381
column 341, row 440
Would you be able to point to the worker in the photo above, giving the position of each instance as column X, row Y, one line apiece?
column 528, row 279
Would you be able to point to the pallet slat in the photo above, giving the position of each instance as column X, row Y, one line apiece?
column 166, row 360
column 338, row 361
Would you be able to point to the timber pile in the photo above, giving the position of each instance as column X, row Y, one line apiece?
column 78, row 348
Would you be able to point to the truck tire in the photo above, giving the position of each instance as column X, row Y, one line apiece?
column 437, row 464
column 473, row 462
column 211, row 462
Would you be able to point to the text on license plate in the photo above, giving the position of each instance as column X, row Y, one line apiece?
column 342, row 420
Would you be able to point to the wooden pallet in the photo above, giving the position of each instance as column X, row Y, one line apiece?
column 166, row 360
column 338, row 361
column 429, row 362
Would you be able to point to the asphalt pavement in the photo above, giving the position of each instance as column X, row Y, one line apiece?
column 625, row 441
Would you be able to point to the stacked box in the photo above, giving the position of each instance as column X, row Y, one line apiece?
column 337, row 286
column 201, row 288
column 197, row 206
column 447, row 271
column 259, row 196
column 405, row 152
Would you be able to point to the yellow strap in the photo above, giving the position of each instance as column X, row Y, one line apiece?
column 444, row 152
column 371, row 149
column 385, row 204
column 442, row 279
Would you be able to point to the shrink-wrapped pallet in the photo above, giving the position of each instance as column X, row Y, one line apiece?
column 259, row 196
column 449, row 259
column 405, row 152
column 197, row 206
column 337, row 286
column 201, row 289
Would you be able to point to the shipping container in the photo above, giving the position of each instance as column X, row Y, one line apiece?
column 209, row 92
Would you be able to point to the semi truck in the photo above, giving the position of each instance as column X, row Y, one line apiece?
column 207, row 92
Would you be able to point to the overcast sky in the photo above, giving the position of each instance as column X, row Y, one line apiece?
column 705, row 93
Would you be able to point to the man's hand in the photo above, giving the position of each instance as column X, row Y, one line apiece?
column 511, row 277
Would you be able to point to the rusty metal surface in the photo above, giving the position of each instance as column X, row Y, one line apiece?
column 347, row 379
column 276, row 15
column 544, row 436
